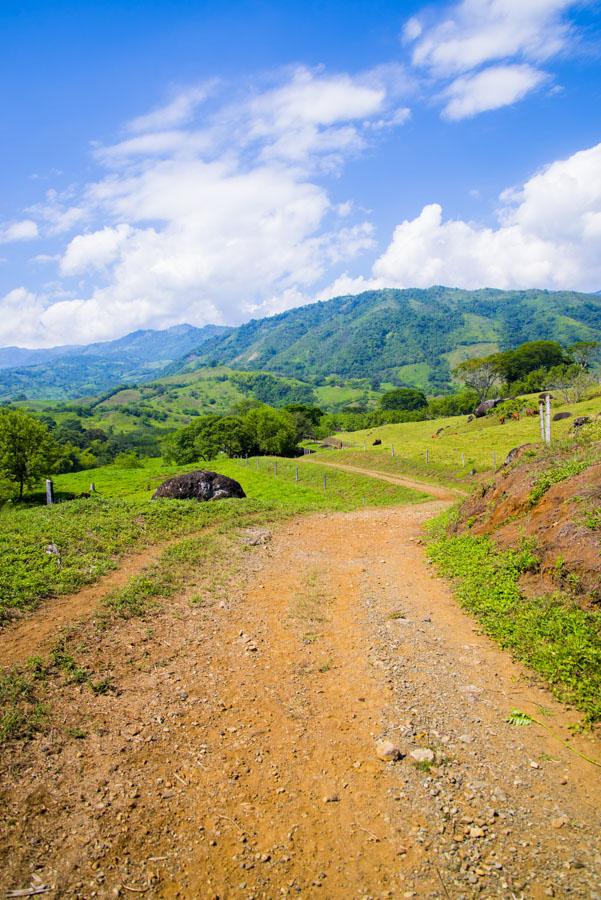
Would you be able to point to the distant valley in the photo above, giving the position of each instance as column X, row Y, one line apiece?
column 410, row 337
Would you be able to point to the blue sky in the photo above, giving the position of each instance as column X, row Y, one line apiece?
column 209, row 162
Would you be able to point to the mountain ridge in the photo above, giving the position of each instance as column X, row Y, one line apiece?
column 79, row 370
column 412, row 336
column 390, row 332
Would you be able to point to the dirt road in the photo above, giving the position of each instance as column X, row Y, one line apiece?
column 434, row 490
column 238, row 757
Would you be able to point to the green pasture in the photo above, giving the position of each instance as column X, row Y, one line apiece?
column 447, row 450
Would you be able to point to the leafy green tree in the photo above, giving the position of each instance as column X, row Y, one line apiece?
column 188, row 444
column 27, row 449
column 452, row 405
column 273, row 431
column 585, row 353
column 403, row 398
column 515, row 364
column 479, row 375
column 129, row 460
column 207, row 437
column 572, row 382
column 306, row 418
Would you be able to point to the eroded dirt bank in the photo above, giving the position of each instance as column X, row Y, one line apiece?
column 237, row 757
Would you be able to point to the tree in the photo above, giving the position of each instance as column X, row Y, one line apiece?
column 515, row 364
column 306, row 419
column 27, row 449
column 585, row 353
column 572, row 382
column 207, row 437
column 403, row 398
column 273, row 430
column 480, row 375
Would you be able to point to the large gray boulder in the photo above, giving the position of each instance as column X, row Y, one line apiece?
column 200, row 485
column 485, row 406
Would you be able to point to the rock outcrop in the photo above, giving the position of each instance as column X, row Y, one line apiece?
column 200, row 485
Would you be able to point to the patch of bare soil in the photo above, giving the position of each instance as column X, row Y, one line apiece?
column 236, row 756
column 570, row 552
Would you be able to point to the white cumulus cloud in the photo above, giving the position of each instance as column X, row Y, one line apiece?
column 548, row 235
column 474, row 32
column 490, row 89
column 178, row 111
column 24, row 230
column 486, row 53
column 214, row 222
column 95, row 250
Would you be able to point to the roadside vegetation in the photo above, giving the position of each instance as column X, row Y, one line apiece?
column 534, row 582
column 550, row 634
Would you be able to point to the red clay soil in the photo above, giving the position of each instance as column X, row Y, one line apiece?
column 235, row 754
column 569, row 550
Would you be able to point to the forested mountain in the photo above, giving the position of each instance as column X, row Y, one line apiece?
column 76, row 371
column 416, row 336
column 413, row 337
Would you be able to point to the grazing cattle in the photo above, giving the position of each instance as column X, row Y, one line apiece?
column 529, row 411
column 501, row 420
column 516, row 416
column 377, row 442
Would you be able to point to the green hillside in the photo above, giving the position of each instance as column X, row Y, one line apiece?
column 405, row 337
column 413, row 335
column 69, row 372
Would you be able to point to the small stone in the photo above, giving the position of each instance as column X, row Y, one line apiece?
column 559, row 822
column 534, row 764
column 476, row 832
column 387, row 751
column 331, row 798
column 422, row 755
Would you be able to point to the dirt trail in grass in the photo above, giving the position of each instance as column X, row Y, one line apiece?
column 434, row 490
column 38, row 630
column 237, row 759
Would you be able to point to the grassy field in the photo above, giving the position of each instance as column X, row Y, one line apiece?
column 454, row 451
column 91, row 535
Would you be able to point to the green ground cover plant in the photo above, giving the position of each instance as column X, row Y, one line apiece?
column 550, row 634
column 554, row 475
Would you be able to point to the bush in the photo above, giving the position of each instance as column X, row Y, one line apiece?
column 128, row 461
